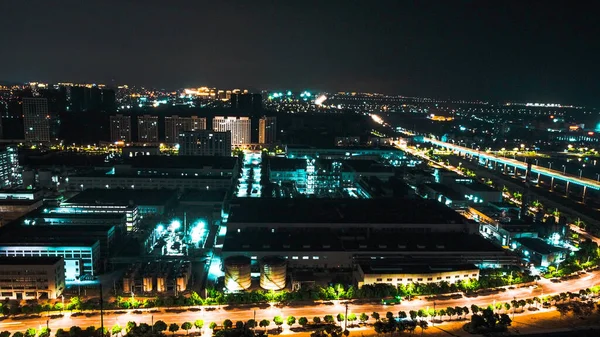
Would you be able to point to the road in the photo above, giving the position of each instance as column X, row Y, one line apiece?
column 589, row 183
column 220, row 314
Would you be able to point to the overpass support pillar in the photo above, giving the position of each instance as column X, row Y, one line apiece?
column 583, row 196
column 552, row 184
column 567, row 190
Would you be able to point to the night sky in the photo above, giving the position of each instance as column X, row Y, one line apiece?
column 505, row 50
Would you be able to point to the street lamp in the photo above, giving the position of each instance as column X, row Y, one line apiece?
column 580, row 171
column 564, row 169
column 550, row 166
column 598, row 175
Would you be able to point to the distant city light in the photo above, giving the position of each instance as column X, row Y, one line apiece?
column 320, row 100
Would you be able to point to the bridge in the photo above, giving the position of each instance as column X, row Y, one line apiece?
column 541, row 171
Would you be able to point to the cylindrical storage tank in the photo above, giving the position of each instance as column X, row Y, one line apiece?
column 160, row 284
column 28, row 178
column 45, row 178
column 127, row 284
column 273, row 273
column 148, row 280
column 181, row 284
column 237, row 273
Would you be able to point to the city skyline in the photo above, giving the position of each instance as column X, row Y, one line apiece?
column 437, row 49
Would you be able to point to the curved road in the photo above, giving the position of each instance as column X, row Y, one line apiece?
column 219, row 315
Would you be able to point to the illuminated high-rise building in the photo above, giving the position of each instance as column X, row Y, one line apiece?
column 175, row 125
column 36, row 119
column 205, row 143
column 239, row 127
column 267, row 130
column 120, row 128
column 9, row 166
column 147, row 129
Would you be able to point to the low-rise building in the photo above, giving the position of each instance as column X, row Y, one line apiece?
column 156, row 172
column 324, row 248
column 81, row 256
column 540, row 253
column 390, row 154
column 370, row 274
column 389, row 214
column 147, row 201
column 14, row 203
column 32, row 278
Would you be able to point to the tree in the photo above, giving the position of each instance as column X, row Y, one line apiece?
column 507, row 306
column 130, row 326
column 227, row 324
column 505, row 320
column 317, row 320
column 389, row 316
column 186, row 326
column 75, row 331
column 303, row 321
column 328, row 319
column 101, row 332
column 60, row 333
column 340, row 317
column 278, row 320
column 5, row 334
column 264, row 323
column 402, row 314
column 239, row 325
column 458, row 310
column 413, row 314
column 212, row 325
column 160, row 326
column 529, row 302
column 116, row 329
column 173, row 328
column 251, row 324
column 423, row 325
column 352, row 317
column 375, row 316
column 18, row 334
column 198, row 324
column 31, row 332
column 442, row 313
column 363, row 318
column 291, row 320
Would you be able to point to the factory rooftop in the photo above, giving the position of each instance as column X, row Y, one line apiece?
column 370, row 268
column 286, row 164
column 343, row 211
column 539, row 246
column 29, row 261
column 368, row 166
column 58, row 232
column 203, row 196
column 123, row 196
column 190, row 162
column 382, row 242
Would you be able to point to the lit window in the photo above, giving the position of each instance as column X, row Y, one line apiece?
column 305, row 258
column 315, row 257
column 294, row 258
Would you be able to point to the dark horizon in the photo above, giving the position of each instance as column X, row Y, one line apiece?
column 526, row 52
